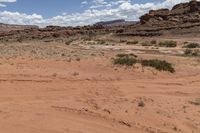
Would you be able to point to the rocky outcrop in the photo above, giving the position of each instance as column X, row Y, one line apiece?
column 160, row 15
column 184, row 8
column 182, row 19
column 50, row 32
column 179, row 14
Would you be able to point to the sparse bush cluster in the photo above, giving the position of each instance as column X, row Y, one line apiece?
column 68, row 42
column 131, row 59
column 189, row 52
column 160, row 44
column 168, row 44
column 19, row 39
column 125, row 60
column 123, row 41
column 101, row 42
column 192, row 45
column 132, row 42
column 126, row 55
column 153, row 42
column 159, row 65
column 146, row 43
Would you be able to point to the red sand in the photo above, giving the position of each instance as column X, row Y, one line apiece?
column 92, row 96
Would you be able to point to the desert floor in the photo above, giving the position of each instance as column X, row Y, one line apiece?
column 48, row 88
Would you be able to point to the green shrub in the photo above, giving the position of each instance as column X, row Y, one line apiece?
column 126, row 55
column 192, row 45
column 132, row 42
column 101, row 42
column 68, row 42
column 131, row 59
column 146, row 44
column 158, row 64
column 123, row 41
column 196, row 53
column 19, row 39
column 189, row 52
column 168, row 44
column 124, row 60
column 153, row 42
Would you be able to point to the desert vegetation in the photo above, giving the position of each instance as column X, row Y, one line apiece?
column 132, row 42
column 130, row 60
column 154, row 42
column 189, row 52
column 167, row 44
column 192, row 45
column 160, row 65
column 124, row 59
column 146, row 43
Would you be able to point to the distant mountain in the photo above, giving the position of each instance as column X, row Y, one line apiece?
column 119, row 22
column 10, row 27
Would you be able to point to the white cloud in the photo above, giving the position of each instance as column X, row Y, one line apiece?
column 84, row 2
column 99, row 4
column 6, row 1
column 20, row 18
column 2, row 5
column 120, row 9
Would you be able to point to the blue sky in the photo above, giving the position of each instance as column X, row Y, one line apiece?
column 76, row 12
column 50, row 8
column 47, row 8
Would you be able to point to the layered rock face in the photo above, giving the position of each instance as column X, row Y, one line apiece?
column 29, row 32
column 179, row 14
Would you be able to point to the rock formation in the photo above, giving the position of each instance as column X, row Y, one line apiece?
column 179, row 14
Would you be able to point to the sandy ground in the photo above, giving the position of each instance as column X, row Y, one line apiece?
column 93, row 96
